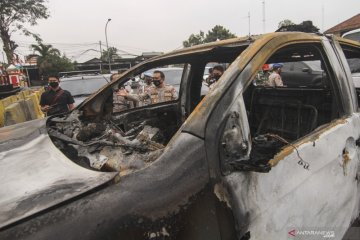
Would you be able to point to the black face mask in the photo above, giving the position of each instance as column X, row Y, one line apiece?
column 216, row 77
column 156, row 82
column 54, row 84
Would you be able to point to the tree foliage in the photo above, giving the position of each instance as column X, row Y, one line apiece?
column 112, row 52
column 50, row 61
column 285, row 22
column 13, row 15
column 216, row 33
column 306, row 26
column 194, row 39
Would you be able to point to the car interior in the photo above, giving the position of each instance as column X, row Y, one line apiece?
column 292, row 112
column 288, row 112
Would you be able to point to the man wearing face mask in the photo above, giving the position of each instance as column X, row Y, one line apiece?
column 56, row 100
column 160, row 92
column 217, row 72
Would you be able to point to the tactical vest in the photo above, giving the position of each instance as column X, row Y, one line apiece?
column 161, row 94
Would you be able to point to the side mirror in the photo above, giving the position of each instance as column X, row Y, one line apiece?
column 307, row 70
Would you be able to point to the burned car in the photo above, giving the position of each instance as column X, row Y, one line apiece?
column 244, row 162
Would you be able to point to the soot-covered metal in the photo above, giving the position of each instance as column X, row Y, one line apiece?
column 104, row 146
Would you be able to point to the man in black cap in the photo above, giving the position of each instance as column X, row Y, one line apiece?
column 56, row 100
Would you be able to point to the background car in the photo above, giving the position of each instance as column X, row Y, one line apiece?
column 82, row 86
column 302, row 73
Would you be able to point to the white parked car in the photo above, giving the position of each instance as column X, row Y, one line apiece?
column 82, row 86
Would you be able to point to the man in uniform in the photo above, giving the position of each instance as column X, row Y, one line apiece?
column 275, row 78
column 145, row 88
column 263, row 76
column 56, row 100
column 160, row 92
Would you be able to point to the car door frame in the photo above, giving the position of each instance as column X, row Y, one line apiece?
column 251, row 214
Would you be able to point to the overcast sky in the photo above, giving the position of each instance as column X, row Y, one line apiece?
column 162, row 25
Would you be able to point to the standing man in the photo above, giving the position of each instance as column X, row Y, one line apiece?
column 145, row 88
column 275, row 78
column 263, row 75
column 56, row 100
column 160, row 92
column 217, row 72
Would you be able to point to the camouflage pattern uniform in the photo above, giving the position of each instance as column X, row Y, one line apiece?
column 120, row 103
column 155, row 95
column 262, row 77
column 274, row 80
column 164, row 94
column 145, row 89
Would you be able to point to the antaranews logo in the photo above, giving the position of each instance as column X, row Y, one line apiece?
column 292, row 233
column 310, row 233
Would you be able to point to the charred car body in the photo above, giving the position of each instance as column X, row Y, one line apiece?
column 244, row 162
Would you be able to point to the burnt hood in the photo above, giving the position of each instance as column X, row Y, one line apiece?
column 35, row 175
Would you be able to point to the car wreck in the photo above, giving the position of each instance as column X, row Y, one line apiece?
column 243, row 162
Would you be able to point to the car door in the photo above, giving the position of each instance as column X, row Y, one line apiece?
column 310, row 182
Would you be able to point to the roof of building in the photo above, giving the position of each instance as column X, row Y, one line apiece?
column 345, row 26
column 93, row 60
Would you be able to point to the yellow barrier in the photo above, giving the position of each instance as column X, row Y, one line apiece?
column 29, row 107
column 35, row 102
column 23, row 94
column 3, row 104
column 9, row 100
column 22, row 107
column 2, row 112
column 14, row 114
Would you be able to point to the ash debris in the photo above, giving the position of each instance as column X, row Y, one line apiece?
column 104, row 146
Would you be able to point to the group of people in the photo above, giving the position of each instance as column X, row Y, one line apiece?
column 270, row 79
column 153, row 90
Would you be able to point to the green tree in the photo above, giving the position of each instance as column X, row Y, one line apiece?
column 50, row 61
column 58, row 64
column 13, row 15
column 194, row 39
column 112, row 53
column 216, row 33
column 285, row 22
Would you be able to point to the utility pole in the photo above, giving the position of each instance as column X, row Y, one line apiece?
column 264, row 28
column 249, row 23
column 322, row 18
column 100, row 58
column 107, row 44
